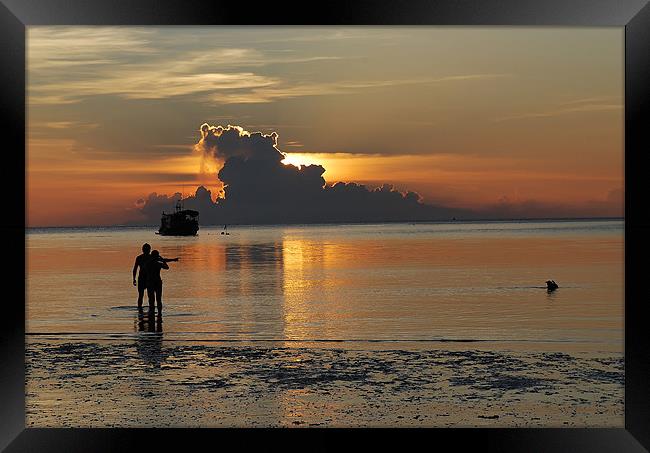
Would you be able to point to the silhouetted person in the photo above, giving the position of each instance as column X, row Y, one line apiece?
column 154, row 282
column 551, row 285
column 140, row 262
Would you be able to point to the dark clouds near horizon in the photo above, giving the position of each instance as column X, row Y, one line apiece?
column 260, row 189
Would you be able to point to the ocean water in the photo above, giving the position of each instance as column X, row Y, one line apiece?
column 407, row 324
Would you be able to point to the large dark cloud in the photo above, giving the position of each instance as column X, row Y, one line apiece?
column 259, row 188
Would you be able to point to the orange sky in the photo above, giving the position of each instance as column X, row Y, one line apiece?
column 467, row 117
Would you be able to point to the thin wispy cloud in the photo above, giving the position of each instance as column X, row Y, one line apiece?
column 232, row 58
column 593, row 100
column 65, row 125
column 320, row 35
column 60, row 47
column 581, row 106
column 286, row 91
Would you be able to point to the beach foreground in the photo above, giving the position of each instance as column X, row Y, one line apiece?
column 150, row 383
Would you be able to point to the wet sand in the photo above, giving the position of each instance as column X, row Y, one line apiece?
column 150, row 382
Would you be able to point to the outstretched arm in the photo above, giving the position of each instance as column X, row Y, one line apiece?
column 167, row 260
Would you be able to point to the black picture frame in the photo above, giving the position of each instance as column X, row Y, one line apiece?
column 634, row 15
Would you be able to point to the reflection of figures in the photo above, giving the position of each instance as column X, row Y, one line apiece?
column 551, row 285
column 148, row 322
column 149, row 346
column 141, row 263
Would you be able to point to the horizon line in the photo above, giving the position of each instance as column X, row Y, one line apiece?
column 521, row 219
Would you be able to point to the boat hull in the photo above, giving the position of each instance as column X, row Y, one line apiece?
column 180, row 223
column 177, row 233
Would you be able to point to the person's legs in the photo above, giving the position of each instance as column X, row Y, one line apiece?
column 152, row 297
column 141, row 288
column 159, row 297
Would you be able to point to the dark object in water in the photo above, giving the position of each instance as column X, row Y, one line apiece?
column 183, row 222
column 551, row 285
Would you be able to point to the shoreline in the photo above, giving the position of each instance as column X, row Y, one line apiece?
column 569, row 346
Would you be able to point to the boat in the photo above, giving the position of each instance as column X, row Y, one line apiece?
column 182, row 222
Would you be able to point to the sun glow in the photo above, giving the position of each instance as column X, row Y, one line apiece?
column 300, row 159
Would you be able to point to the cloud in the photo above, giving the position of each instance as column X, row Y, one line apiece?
column 145, row 83
column 260, row 188
column 319, row 35
column 60, row 48
column 579, row 106
column 593, row 100
column 612, row 205
column 278, row 91
column 69, row 64
column 222, row 143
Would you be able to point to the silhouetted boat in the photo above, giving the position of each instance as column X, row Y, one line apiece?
column 183, row 222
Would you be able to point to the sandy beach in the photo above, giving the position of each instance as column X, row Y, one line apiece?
column 151, row 382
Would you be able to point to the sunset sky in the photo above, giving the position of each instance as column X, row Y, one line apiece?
column 516, row 119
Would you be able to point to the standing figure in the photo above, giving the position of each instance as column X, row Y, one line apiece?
column 140, row 262
column 154, row 281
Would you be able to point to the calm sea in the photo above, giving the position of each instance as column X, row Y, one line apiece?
column 414, row 283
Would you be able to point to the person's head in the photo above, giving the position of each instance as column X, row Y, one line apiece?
column 155, row 254
column 146, row 248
